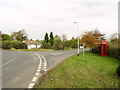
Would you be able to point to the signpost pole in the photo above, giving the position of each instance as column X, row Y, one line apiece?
column 83, row 50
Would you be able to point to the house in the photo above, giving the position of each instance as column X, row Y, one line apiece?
column 32, row 44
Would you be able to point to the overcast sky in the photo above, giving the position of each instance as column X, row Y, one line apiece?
column 40, row 16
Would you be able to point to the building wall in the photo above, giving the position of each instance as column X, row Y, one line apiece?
column 33, row 46
column 38, row 46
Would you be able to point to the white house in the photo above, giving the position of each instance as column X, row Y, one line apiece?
column 32, row 44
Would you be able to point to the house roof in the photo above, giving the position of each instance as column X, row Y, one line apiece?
column 27, row 42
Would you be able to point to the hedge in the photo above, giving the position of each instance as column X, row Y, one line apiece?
column 112, row 51
column 13, row 44
column 7, row 45
column 46, row 45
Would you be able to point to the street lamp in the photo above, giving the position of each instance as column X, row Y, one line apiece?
column 78, row 36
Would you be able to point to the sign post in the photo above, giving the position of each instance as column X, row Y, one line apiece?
column 83, row 50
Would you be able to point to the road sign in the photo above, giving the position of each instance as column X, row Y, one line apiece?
column 81, row 46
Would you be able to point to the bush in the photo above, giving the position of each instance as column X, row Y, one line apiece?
column 118, row 71
column 7, row 45
column 23, row 46
column 16, row 44
column 13, row 44
column 58, row 46
column 74, row 45
column 20, row 46
column 0, row 44
column 46, row 45
column 114, row 52
column 96, row 49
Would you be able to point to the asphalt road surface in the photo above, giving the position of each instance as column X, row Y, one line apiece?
column 20, row 67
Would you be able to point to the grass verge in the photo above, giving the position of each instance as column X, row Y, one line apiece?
column 94, row 72
column 36, row 49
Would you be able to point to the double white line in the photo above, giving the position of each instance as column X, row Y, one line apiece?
column 38, row 73
column 45, row 64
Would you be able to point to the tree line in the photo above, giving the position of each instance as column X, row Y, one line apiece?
column 90, row 38
column 14, row 40
column 58, row 42
column 51, row 41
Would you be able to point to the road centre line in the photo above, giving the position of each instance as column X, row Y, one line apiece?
column 8, row 62
column 31, row 85
column 38, row 73
column 56, row 53
column 45, row 63
column 34, row 79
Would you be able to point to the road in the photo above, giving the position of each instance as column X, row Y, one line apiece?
column 21, row 69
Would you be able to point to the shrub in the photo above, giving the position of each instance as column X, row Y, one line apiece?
column 0, row 44
column 16, row 44
column 58, row 46
column 96, row 49
column 46, row 45
column 118, row 71
column 74, row 45
column 23, row 46
column 7, row 45
column 19, row 45
column 114, row 52
column 13, row 44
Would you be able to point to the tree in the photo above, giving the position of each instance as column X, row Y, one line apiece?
column 46, row 38
column 72, row 43
column 92, row 38
column 46, row 45
column 64, row 40
column 51, row 39
column 64, row 37
column 114, row 37
column 57, row 42
column 20, row 35
column 88, row 38
column 6, row 37
column 57, row 38
column 99, row 37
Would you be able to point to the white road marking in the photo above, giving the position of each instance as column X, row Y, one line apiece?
column 39, row 67
column 38, row 70
column 8, row 62
column 45, row 63
column 31, row 85
column 34, row 79
column 56, row 53
column 38, row 73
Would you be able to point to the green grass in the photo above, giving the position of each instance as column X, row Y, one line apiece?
column 94, row 72
column 36, row 49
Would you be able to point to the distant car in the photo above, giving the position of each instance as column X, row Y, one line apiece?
column 94, row 50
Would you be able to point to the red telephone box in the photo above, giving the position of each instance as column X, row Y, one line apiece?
column 104, row 48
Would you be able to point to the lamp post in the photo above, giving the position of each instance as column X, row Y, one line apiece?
column 78, row 36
